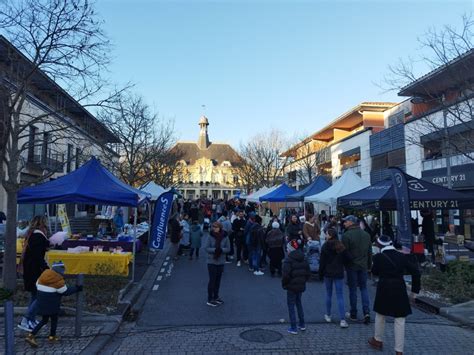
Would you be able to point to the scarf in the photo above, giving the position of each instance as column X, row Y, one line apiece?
column 218, row 237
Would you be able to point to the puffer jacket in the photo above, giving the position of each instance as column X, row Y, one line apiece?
column 295, row 272
column 51, row 287
column 275, row 238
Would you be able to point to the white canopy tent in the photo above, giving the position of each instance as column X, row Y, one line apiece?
column 255, row 197
column 348, row 183
column 153, row 189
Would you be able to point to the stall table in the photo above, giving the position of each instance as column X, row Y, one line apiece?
column 107, row 244
column 101, row 263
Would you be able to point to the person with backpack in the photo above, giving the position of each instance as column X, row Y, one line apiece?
column 257, row 243
column 334, row 256
column 275, row 240
column 295, row 274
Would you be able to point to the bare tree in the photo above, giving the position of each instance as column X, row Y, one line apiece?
column 307, row 157
column 60, row 40
column 263, row 164
column 450, row 50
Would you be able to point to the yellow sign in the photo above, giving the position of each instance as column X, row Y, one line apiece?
column 62, row 214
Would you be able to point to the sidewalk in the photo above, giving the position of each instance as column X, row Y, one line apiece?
column 97, row 330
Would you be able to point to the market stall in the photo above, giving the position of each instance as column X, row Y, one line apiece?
column 277, row 198
column 91, row 184
column 318, row 185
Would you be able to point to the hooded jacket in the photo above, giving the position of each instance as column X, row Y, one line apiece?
column 275, row 238
column 33, row 259
column 334, row 256
column 51, row 287
column 295, row 272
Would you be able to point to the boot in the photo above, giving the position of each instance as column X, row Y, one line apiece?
column 30, row 339
column 374, row 343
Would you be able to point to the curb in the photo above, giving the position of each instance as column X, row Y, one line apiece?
column 132, row 301
column 455, row 317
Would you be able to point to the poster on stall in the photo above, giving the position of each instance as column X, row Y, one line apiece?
column 404, row 232
column 62, row 214
column 160, row 219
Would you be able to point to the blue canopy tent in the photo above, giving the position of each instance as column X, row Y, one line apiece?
column 423, row 195
column 318, row 185
column 279, row 194
column 92, row 184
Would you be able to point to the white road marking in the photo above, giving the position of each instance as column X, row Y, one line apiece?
column 162, row 269
column 167, row 258
column 165, row 263
column 155, row 288
column 159, row 278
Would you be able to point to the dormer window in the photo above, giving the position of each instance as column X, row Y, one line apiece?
column 226, row 163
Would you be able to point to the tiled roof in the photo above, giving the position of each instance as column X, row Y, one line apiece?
column 217, row 152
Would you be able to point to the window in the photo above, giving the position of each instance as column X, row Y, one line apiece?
column 69, row 157
column 78, row 158
column 236, row 179
column 31, row 143
column 45, row 147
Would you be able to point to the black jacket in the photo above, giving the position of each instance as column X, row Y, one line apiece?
column 391, row 298
column 175, row 231
column 295, row 272
column 33, row 261
column 294, row 231
column 257, row 237
column 333, row 260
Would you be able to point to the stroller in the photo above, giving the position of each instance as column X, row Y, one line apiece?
column 313, row 251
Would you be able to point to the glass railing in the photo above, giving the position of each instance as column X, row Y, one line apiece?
column 455, row 160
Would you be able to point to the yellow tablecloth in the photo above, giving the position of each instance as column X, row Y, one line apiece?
column 91, row 263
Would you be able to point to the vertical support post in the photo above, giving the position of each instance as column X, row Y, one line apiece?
column 381, row 222
column 447, row 151
column 134, row 243
column 149, row 232
column 9, row 329
column 79, row 307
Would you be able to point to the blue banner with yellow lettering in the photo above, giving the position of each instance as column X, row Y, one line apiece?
column 400, row 186
column 159, row 226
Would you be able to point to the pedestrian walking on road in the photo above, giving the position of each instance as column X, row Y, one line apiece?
column 275, row 241
column 238, row 227
column 391, row 297
column 311, row 230
column 257, row 243
column 295, row 275
column 294, row 230
column 359, row 246
column 51, row 287
column 334, row 256
column 196, row 237
column 175, row 236
column 217, row 245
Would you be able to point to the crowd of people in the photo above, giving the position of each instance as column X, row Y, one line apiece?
column 230, row 231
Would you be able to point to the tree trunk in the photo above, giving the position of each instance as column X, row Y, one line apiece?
column 9, row 258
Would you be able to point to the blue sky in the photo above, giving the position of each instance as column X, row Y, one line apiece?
column 291, row 65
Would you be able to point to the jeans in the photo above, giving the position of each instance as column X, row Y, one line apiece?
column 294, row 299
column 256, row 256
column 358, row 279
column 399, row 330
column 44, row 321
column 32, row 307
column 215, row 275
column 338, row 283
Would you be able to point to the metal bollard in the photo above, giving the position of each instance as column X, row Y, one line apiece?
column 79, row 306
column 9, row 329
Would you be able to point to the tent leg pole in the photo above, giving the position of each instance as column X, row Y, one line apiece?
column 134, row 243
column 49, row 221
column 381, row 223
column 149, row 233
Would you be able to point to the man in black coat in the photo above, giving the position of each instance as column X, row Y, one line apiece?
column 295, row 274
column 391, row 298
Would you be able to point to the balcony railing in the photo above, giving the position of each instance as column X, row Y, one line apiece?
column 355, row 167
column 455, row 160
column 53, row 162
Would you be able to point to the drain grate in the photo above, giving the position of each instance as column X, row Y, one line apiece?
column 261, row 336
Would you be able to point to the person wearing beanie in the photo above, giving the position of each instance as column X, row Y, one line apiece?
column 391, row 298
column 51, row 287
column 295, row 274
column 275, row 241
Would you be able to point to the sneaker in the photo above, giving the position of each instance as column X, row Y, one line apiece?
column 343, row 324
column 53, row 339
column 239, row 264
column 302, row 328
column 327, row 318
column 219, row 301
column 30, row 339
column 258, row 273
column 351, row 317
column 228, row 262
column 212, row 303
column 251, row 269
column 292, row 331
column 366, row 318
column 36, row 322
column 26, row 325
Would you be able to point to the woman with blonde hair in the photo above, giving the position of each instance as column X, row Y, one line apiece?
column 34, row 263
column 217, row 246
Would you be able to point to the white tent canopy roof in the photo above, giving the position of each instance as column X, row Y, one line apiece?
column 254, row 197
column 348, row 183
column 154, row 189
